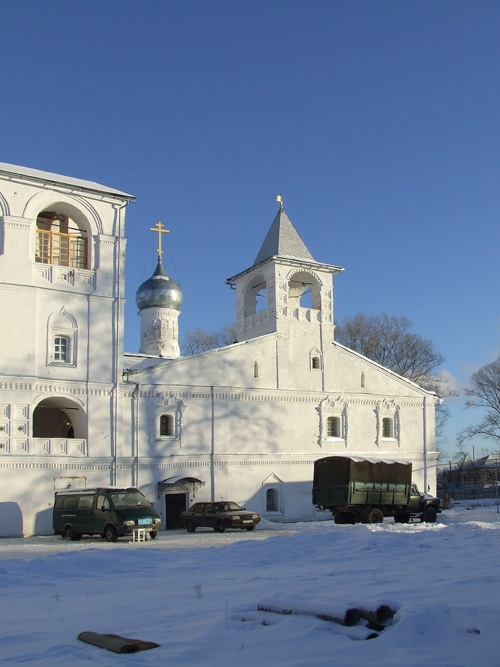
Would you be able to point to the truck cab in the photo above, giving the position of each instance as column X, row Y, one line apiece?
column 421, row 506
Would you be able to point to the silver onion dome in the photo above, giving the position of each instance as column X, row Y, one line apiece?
column 159, row 291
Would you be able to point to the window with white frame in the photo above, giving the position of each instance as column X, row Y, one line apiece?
column 61, row 350
column 62, row 333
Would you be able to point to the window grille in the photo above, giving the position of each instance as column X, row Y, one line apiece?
column 61, row 249
column 272, row 500
column 333, row 427
column 387, row 427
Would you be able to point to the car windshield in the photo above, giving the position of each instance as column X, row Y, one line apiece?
column 227, row 507
column 129, row 499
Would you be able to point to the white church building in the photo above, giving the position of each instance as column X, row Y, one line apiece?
column 243, row 422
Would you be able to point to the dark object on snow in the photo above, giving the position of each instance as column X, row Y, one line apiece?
column 347, row 617
column 116, row 643
column 380, row 615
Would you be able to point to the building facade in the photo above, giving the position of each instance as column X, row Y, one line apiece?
column 244, row 422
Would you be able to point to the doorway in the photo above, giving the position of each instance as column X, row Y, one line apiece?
column 175, row 503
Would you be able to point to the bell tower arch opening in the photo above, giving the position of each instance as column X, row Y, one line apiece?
column 255, row 295
column 304, row 291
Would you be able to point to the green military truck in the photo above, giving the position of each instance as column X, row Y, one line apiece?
column 358, row 490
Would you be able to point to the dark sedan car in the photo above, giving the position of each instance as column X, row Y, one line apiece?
column 219, row 516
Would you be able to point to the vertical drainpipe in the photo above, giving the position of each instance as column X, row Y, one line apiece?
column 425, row 443
column 135, row 427
column 212, row 446
column 117, row 346
column 135, row 399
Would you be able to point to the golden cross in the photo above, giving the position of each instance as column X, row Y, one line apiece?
column 159, row 228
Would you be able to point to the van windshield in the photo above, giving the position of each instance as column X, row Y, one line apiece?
column 129, row 499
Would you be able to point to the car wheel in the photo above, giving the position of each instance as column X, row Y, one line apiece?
column 220, row 526
column 110, row 534
column 250, row 527
column 430, row 515
column 70, row 534
column 375, row 516
column 190, row 527
column 153, row 534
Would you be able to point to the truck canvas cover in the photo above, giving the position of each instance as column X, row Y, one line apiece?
column 337, row 471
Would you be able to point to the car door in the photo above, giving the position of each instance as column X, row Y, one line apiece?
column 196, row 514
column 209, row 516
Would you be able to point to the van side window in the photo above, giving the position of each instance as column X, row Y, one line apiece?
column 70, row 502
column 85, row 502
column 103, row 502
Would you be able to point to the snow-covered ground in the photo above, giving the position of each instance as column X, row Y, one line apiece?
column 197, row 595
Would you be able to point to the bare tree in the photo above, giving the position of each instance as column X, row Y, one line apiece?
column 197, row 341
column 484, row 393
column 388, row 340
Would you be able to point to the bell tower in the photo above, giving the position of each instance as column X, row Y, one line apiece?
column 285, row 290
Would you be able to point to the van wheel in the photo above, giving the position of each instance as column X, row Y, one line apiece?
column 375, row 516
column 430, row 515
column 70, row 534
column 110, row 534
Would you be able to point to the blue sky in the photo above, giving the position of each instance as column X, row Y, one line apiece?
column 377, row 121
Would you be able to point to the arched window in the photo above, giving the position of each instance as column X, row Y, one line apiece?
column 387, row 427
column 166, row 425
column 62, row 339
column 272, row 500
column 333, row 427
column 60, row 241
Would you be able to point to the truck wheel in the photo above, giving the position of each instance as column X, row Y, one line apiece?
column 375, row 516
column 401, row 517
column 430, row 515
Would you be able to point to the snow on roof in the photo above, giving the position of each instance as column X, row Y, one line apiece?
column 48, row 177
